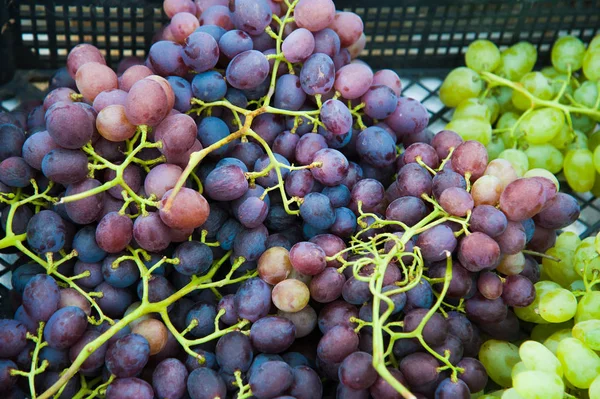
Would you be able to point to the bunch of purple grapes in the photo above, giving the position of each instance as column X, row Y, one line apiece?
column 251, row 210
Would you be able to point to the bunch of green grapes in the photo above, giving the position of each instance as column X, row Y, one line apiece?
column 561, row 358
column 534, row 119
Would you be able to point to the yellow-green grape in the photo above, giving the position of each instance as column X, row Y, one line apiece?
column 518, row 368
column 541, row 332
column 541, row 172
column 495, row 147
column 594, row 140
column 580, row 141
column 588, row 307
column 494, row 107
column 597, row 159
column 595, row 43
column 535, row 83
column 507, row 121
column 597, row 243
column 582, row 122
column 503, row 95
column 561, row 83
column 579, row 169
column 518, row 160
column 567, row 52
column 558, row 306
column 541, row 125
column 563, row 138
column 552, row 341
column 536, row 384
column 561, row 272
column 545, row 156
column 511, row 394
column 517, row 60
column 586, row 258
column 460, row 84
column 498, row 358
column 596, row 188
column 588, row 332
column 568, row 240
column 581, row 365
column 550, row 72
column 591, row 64
column 531, row 312
column 546, row 285
column 536, row 356
column 594, row 392
column 472, row 108
column 495, row 394
column 472, row 129
column 586, row 94
column 482, row 56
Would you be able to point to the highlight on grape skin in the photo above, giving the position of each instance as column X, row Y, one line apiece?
column 252, row 211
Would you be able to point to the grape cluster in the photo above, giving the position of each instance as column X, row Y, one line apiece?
column 251, row 211
column 534, row 119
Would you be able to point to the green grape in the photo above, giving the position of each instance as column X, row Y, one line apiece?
column 495, row 394
column 542, row 125
column 568, row 240
column 517, row 158
column 596, row 188
column 460, row 84
column 577, row 285
column 597, row 159
column 535, row 83
column 594, row 392
column 531, row 312
column 517, row 60
column 472, row 108
column 588, row 332
column 588, row 307
column 580, row 141
column 545, row 285
column 594, row 140
column 493, row 105
column 495, row 147
column 587, row 94
column 536, row 384
column 567, row 52
column 511, row 394
column 586, row 258
column 518, row 368
column 503, row 95
column 597, row 243
column 550, row 72
column 563, row 138
column 541, row 332
column 536, row 356
column 583, row 123
column 581, row 365
column 561, row 272
column 507, row 121
column 591, row 64
column 579, row 169
column 472, row 129
column 552, row 341
column 541, row 172
column 545, row 156
column 558, row 306
column 498, row 358
column 482, row 56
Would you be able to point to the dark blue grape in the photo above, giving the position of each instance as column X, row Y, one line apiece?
column 306, row 384
column 288, row 93
column 192, row 363
column 212, row 129
column 7, row 380
column 448, row 389
column 122, row 275
column 234, row 352
column 128, row 355
column 41, row 297
column 12, row 139
column 338, row 195
column 205, row 383
column 65, row 327
column 271, row 379
column 345, row 222
column 96, row 359
column 261, row 359
column 251, row 60
column 227, row 233
column 226, row 183
column 12, row 338
column 69, row 391
column 272, row 334
column 15, row 172
column 194, row 258
column 200, row 52
column 317, row 211
column 58, row 360
column 114, row 301
column 169, row 379
column 247, row 152
column 159, row 288
column 251, row 243
column 376, row 147
column 209, row 86
column 129, row 388
column 317, row 74
column 86, row 246
column 253, row 299
column 235, row 42
column 236, row 97
column 214, row 30
column 204, row 314
column 182, row 91
column 22, row 274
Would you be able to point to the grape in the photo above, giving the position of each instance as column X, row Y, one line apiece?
column 82, row 54
column 204, row 315
column 57, row 359
column 41, row 297
column 13, row 139
column 192, row 363
column 93, row 78
column 327, row 286
column 253, row 60
column 460, row 84
column 306, row 383
column 326, row 41
column 376, row 147
column 37, row 146
column 380, row 101
column 482, row 56
column 128, row 355
column 461, row 281
column 151, row 233
column 338, row 195
column 421, row 152
column 452, row 389
column 517, row 60
column 69, row 125
column 12, row 338
column 488, row 220
column 534, row 384
column 357, row 372
column 65, row 327
column 271, row 379
column 308, row 145
column 290, row 295
column 70, row 297
column 435, row 329
column 419, row 368
column 189, row 209
column 177, row 134
column 288, row 95
column 129, row 388
column 308, row 258
column 557, row 306
column 536, row 356
column 332, row 169
column 253, row 299
column 436, row 242
column 478, row 251
column 498, row 358
column 234, row 352
column 132, row 75
column 217, row 15
column 456, row 201
column 71, row 388
column 226, row 183
column 114, row 232
column 298, row 45
column 268, row 126
column 567, row 54
column 154, row 331
column 474, row 374
column 558, row 213
column 205, row 383
column 96, row 359
column 513, row 239
column 272, row 334
column 46, row 232
column 578, row 169
column 194, row 258
column 314, row 15
column 274, row 265
column 109, row 97
column 165, row 58
column 304, row 320
column 337, row 343
column 336, row 117
column 352, row 80
column 317, row 75
column 489, row 285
